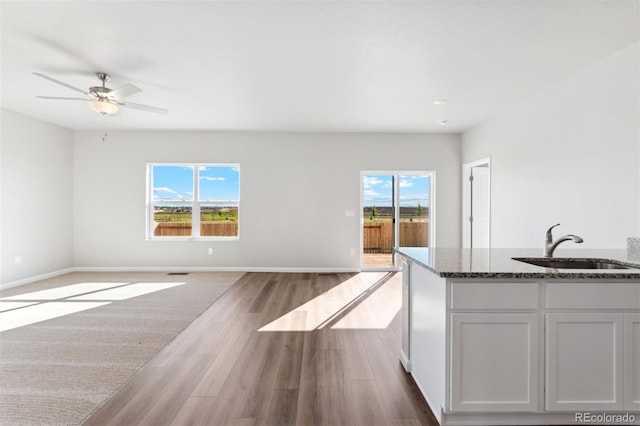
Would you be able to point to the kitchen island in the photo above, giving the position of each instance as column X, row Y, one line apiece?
column 490, row 340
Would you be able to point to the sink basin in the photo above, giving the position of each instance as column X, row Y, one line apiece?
column 573, row 263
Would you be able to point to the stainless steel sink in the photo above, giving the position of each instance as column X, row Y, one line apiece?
column 573, row 263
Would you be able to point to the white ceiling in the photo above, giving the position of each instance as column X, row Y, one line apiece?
column 302, row 65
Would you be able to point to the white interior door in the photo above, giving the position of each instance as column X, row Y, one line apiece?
column 480, row 206
column 476, row 205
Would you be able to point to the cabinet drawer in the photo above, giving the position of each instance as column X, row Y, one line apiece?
column 593, row 295
column 507, row 295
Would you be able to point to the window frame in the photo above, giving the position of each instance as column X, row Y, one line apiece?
column 195, row 203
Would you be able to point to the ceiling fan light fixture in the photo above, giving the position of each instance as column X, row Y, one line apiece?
column 103, row 106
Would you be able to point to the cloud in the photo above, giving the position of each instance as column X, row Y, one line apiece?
column 414, row 199
column 369, row 181
column 165, row 190
column 211, row 178
column 165, row 193
column 403, row 184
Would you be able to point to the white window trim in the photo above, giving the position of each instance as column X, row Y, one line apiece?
column 195, row 204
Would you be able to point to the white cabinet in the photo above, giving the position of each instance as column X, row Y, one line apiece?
column 632, row 362
column 429, row 337
column 494, row 362
column 405, row 350
column 584, row 361
column 495, row 346
column 487, row 351
column 593, row 356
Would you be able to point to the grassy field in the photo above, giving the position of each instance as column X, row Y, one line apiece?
column 209, row 214
column 206, row 215
column 407, row 214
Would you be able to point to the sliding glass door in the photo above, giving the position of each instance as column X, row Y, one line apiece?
column 378, row 219
column 414, row 207
column 395, row 212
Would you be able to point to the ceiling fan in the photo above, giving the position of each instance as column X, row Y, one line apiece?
column 102, row 99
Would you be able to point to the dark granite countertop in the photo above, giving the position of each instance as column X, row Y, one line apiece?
column 498, row 263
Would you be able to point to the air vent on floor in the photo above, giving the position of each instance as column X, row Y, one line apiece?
column 178, row 273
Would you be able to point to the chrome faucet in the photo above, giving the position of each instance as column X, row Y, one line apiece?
column 550, row 245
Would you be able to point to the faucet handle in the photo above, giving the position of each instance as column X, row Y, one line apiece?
column 549, row 235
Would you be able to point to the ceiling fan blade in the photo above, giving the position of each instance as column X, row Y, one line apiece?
column 64, row 99
column 46, row 77
column 143, row 107
column 124, row 91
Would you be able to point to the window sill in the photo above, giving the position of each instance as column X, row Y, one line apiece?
column 208, row 239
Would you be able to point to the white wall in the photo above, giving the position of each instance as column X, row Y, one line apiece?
column 295, row 188
column 568, row 155
column 36, row 197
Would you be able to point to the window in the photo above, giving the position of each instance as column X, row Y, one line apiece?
column 193, row 200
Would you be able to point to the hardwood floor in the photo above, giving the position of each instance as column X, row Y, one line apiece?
column 281, row 349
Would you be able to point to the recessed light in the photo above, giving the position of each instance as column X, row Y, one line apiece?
column 443, row 122
column 440, row 101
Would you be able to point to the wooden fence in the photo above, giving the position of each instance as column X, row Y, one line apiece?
column 377, row 236
column 183, row 229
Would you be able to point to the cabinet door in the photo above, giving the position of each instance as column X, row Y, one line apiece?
column 494, row 362
column 632, row 362
column 584, row 362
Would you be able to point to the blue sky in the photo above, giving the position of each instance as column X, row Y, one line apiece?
column 413, row 189
column 222, row 183
column 219, row 183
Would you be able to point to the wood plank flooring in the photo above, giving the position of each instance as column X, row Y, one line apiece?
column 281, row 349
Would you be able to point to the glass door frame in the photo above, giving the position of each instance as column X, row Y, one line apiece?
column 396, row 174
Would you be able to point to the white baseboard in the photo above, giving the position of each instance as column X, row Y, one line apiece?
column 406, row 363
column 35, row 278
column 211, row 269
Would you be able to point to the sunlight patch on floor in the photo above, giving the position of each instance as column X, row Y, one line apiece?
column 126, row 292
column 375, row 310
column 29, row 308
column 7, row 306
column 367, row 300
column 64, row 292
column 42, row 312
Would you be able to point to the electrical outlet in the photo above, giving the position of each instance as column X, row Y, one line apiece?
column 352, row 252
column 210, row 251
column 18, row 260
